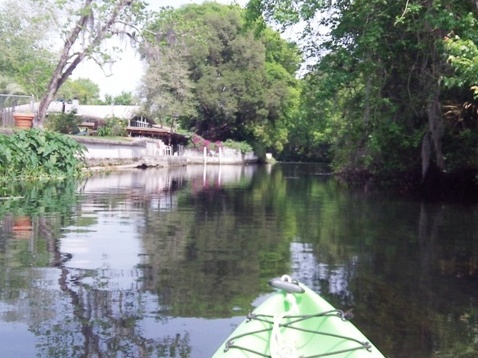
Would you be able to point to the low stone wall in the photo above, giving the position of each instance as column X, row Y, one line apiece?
column 98, row 148
column 144, row 152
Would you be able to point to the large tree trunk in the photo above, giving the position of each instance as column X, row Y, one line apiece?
column 435, row 123
column 432, row 140
column 60, row 75
column 69, row 61
column 433, row 65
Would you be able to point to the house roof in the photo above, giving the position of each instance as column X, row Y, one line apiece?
column 96, row 111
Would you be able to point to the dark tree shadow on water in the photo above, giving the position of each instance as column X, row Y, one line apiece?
column 93, row 318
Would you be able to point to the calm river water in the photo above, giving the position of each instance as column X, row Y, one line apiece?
column 166, row 262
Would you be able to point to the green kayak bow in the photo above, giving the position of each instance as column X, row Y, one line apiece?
column 296, row 323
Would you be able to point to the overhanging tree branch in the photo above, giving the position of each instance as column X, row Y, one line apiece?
column 105, row 14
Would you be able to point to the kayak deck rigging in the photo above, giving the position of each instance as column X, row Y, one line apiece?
column 296, row 322
column 293, row 319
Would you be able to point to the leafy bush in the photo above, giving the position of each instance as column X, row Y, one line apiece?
column 243, row 147
column 112, row 127
column 38, row 154
column 199, row 143
column 66, row 123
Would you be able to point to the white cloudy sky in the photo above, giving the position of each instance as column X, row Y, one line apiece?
column 125, row 74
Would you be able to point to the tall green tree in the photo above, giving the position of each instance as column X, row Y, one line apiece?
column 167, row 86
column 244, row 87
column 84, row 89
column 26, row 53
column 9, row 87
column 123, row 99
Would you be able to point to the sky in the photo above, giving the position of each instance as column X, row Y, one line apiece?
column 125, row 74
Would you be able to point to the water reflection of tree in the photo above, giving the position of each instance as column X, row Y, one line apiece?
column 87, row 316
column 102, row 322
column 408, row 272
column 203, row 258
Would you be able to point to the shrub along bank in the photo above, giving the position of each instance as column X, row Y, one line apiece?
column 39, row 155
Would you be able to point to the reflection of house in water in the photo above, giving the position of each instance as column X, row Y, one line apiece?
column 216, row 176
column 155, row 186
column 151, row 181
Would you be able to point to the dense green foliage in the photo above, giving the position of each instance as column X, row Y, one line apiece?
column 30, row 31
column 390, row 84
column 66, row 123
column 39, row 154
column 113, row 127
column 69, row 123
column 83, row 89
column 27, row 58
column 243, row 147
column 209, row 72
column 123, row 99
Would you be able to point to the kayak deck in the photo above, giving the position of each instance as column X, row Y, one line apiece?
column 297, row 324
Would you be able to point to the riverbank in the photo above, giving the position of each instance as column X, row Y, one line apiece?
column 143, row 152
column 138, row 152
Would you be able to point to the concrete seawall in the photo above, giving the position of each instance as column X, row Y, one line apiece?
column 143, row 152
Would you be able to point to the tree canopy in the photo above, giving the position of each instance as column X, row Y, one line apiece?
column 384, row 78
column 84, row 28
column 211, row 73
column 26, row 54
column 84, row 89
